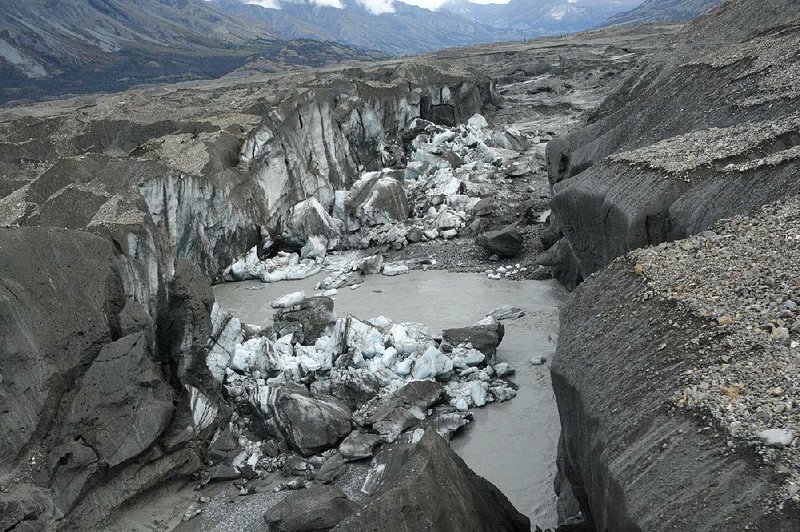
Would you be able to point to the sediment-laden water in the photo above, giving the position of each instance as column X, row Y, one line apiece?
column 512, row 444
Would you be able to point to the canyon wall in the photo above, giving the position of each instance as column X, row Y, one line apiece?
column 117, row 212
column 706, row 131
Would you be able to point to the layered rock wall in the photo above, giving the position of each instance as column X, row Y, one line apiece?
column 705, row 131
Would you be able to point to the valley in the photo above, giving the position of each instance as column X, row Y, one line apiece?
column 548, row 284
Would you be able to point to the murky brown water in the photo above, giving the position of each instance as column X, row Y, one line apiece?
column 511, row 444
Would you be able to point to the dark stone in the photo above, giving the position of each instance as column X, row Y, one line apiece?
column 485, row 207
column 224, row 447
column 392, row 414
column 549, row 237
column 186, row 326
column 295, row 466
column 427, row 487
column 223, row 472
column 414, row 235
column 484, row 338
column 330, row 469
column 478, row 226
column 562, row 263
column 310, row 423
column 308, row 319
column 315, row 509
column 359, row 445
column 505, row 242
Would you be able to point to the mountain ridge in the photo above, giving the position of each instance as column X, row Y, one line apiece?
column 664, row 10
column 50, row 48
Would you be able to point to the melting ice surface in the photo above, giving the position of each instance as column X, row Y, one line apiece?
column 512, row 444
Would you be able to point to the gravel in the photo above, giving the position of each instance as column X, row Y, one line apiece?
column 743, row 279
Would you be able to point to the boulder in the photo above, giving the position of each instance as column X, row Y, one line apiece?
column 427, row 487
column 309, row 218
column 315, row 509
column 414, row 235
column 311, row 423
column 354, row 387
column 308, row 319
column 359, row 445
column 485, row 207
column 370, row 265
column 315, row 248
column 393, row 413
column 485, row 338
column 448, row 219
column 378, row 198
column 390, row 269
column 505, row 242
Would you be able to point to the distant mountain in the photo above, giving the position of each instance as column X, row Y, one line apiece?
column 50, row 47
column 541, row 16
column 406, row 30
column 398, row 28
column 665, row 10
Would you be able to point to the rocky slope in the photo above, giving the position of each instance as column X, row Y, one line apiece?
column 543, row 17
column 664, row 10
column 73, row 47
column 676, row 383
column 674, row 374
column 640, row 173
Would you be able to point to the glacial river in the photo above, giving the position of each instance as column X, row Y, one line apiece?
column 512, row 444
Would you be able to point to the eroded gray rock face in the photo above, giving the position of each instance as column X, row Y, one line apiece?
column 122, row 404
column 208, row 174
column 690, row 156
column 427, row 487
column 663, row 158
column 613, row 375
column 84, row 394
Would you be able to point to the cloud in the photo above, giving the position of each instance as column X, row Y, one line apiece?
column 267, row 4
column 378, row 7
column 328, row 3
column 276, row 4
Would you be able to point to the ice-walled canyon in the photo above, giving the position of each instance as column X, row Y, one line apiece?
column 548, row 284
